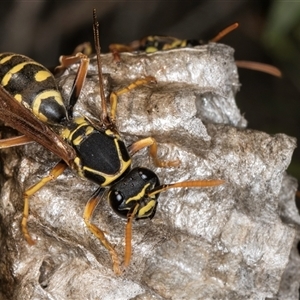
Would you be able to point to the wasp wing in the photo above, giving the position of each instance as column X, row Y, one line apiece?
column 15, row 115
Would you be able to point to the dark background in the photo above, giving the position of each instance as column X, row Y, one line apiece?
column 268, row 32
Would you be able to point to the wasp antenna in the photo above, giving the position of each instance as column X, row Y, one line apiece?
column 188, row 184
column 224, row 32
column 128, row 235
column 104, row 117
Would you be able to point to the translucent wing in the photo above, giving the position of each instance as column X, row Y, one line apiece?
column 15, row 115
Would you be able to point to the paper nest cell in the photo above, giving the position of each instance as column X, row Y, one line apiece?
column 226, row 242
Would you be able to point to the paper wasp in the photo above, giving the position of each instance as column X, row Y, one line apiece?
column 31, row 103
column 153, row 43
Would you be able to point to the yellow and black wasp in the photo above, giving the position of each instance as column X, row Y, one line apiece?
column 153, row 43
column 31, row 103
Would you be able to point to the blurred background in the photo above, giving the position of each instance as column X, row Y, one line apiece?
column 269, row 32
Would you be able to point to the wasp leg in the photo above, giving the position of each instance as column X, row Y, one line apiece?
column 87, row 215
column 114, row 95
column 128, row 235
column 15, row 141
column 84, row 48
column 116, row 49
column 152, row 144
column 261, row 67
column 55, row 172
column 66, row 61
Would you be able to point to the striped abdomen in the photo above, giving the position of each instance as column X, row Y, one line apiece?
column 32, row 85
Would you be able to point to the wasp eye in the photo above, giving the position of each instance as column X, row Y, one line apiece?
column 118, row 203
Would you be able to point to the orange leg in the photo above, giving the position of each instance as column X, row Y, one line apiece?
column 15, row 141
column 261, row 67
column 84, row 48
column 66, row 61
column 152, row 144
column 54, row 173
column 114, row 95
column 87, row 215
column 116, row 49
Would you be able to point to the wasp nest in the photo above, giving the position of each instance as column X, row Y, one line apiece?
column 226, row 242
